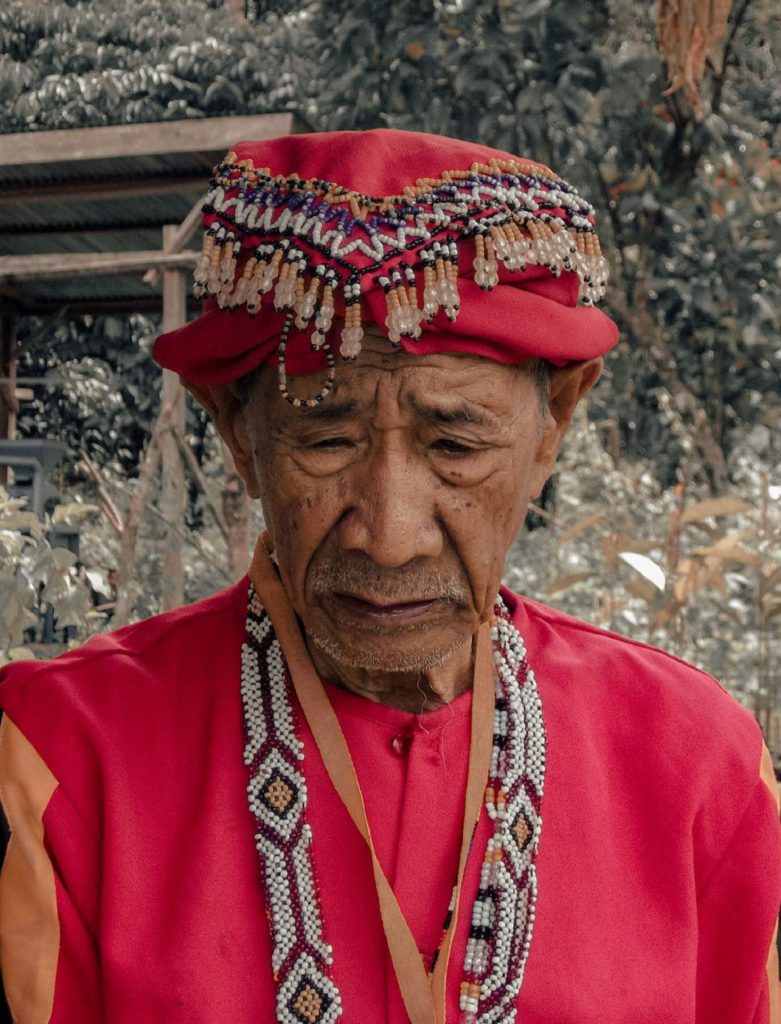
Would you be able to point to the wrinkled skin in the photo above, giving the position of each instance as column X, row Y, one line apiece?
column 392, row 505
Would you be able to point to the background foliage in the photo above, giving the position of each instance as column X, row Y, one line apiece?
column 689, row 208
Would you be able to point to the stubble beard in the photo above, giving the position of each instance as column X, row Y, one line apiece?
column 361, row 577
column 363, row 657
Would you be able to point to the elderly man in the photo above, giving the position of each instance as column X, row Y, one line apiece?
column 368, row 783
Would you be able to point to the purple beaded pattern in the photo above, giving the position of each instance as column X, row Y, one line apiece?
column 503, row 911
column 302, row 240
column 253, row 204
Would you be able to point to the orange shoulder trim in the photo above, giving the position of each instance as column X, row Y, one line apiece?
column 768, row 776
column 29, row 926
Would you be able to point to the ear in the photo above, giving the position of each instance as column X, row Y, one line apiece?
column 223, row 404
column 567, row 386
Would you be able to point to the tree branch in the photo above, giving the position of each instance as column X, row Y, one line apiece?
column 203, row 484
column 107, row 503
column 138, row 503
column 190, row 538
column 719, row 78
column 640, row 321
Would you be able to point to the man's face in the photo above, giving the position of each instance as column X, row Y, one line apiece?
column 392, row 504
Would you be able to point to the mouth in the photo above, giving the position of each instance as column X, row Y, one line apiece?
column 399, row 611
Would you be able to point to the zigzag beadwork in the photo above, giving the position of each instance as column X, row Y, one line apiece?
column 301, row 239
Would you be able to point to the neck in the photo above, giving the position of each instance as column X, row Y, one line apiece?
column 418, row 691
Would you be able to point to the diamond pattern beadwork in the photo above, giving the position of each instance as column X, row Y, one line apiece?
column 277, row 799
column 503, row 911
column 503, row 914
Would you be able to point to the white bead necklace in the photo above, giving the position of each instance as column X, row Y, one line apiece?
column 503, row 911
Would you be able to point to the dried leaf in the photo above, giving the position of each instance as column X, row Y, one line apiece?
column 729, row 554
column 583, row 524
column 770, row 582
column 415, row 51
column 21, row 654
column 693, row 575
column 643, row 589
column 713, row 507
column 610, row 549
column 773, row 612
column 566, row 581
column 63, row 559
column 665, row 615
column 21, row 521
column 74, row 513
column 626, row 543
column 712, row 532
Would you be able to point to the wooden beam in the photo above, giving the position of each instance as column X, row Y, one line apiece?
column 97, row 306
column 78, row 264
column 179, row 238
column 90, row 190
column 182, row 234
column 192, row 135
column 75, row 230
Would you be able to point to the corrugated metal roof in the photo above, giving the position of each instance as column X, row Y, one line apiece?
column 106, row 190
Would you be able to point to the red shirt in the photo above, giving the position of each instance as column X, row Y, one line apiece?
column 658, row 867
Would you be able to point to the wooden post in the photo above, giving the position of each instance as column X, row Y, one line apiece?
column 8, row 402
column 173, row 494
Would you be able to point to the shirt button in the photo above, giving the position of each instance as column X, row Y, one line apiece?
column 400, row 745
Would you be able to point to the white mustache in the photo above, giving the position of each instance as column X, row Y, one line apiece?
column 386, row 586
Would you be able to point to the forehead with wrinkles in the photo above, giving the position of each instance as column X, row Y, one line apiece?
column 385, row 384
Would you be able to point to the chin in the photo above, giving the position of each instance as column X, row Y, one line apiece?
column 416, row 652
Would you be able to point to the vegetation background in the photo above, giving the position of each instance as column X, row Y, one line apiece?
column 663, row 521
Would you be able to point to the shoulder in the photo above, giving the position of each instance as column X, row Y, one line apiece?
column 659, row 725
column 593, row 664
column 154, row 667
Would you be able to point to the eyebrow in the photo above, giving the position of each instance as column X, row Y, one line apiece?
column 464, row 413
column 330, row 410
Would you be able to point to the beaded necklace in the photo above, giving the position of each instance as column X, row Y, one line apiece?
column 503, row 911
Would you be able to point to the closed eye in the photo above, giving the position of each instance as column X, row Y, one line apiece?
column 327, row 443
column 448, row 446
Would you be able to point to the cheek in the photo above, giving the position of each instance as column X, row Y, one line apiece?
column 301, row 512
column 497, row 507
column 483, row 522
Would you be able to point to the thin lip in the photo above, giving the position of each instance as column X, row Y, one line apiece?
column 419, row 602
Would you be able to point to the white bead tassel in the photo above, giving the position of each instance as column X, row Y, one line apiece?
column 430, row 287
column 254, row 290
column 285, row 291
column 352, row 332
column 325, row 315
column 413, row 312
column 201, row 274
column 486, row 269
column 228, row 271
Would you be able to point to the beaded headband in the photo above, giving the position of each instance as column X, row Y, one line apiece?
column 315, row 243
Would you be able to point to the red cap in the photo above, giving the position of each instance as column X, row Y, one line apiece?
column 445, row 245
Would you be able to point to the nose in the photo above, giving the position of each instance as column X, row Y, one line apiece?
column 393, row 516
